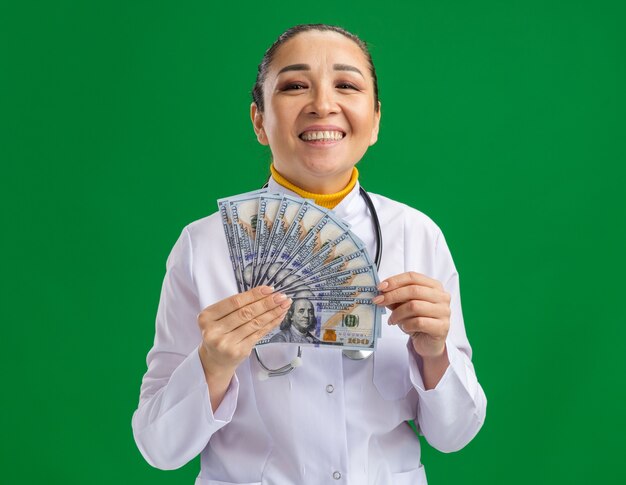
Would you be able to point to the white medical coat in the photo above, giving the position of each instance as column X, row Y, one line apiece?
column 332, row 420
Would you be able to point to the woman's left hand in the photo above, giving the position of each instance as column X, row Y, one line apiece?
column 421, row 308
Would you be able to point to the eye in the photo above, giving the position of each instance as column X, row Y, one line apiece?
column 347, row 86
column 293, row 87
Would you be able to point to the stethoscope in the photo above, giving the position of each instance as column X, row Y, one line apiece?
column 350, row 354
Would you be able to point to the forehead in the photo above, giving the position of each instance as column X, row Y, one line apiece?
column 316, row 48
column 301, row 303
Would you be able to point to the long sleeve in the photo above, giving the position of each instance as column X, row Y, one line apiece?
column 452, row 413
column 174, row 420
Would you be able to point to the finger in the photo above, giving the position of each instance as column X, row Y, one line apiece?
column 417, row 308
column 430, row 326
column 409, row 278
column 260, row 322
column 228, row 305
column 253, row 311
column 412, row 292
column 252, row 339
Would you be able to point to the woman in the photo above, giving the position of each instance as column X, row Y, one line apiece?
column 332, row 419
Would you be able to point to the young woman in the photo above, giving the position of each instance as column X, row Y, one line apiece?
column 333, row 419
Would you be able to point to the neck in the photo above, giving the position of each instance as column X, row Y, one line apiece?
column 329, row 201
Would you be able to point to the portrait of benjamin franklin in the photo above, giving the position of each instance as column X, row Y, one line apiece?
column 298, row 323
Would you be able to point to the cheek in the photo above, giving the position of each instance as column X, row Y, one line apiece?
column 284, row 110
column 363, row 119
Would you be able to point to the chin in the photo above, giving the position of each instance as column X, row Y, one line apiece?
column 327, row 167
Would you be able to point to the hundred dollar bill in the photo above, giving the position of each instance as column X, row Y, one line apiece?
column 233, row 248
column 340, row 247
column 325, row 230
column 351, row 277
column 317, row 248
column 349, row 324
column 327, row 252
column 268, row 208
column 307, row 218
column 336, row 292
column 345, row 252
column 231, row 237
column 357, row 259
column 286, row 213
column 244, row 213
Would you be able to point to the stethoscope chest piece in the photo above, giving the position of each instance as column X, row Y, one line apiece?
column 357, row 354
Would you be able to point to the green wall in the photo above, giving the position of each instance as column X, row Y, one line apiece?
column 120, row 122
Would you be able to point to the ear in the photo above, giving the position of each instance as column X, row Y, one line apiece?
column 374, row 137
column 257, row 123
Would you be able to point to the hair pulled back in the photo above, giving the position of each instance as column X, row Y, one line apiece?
column 257, row 90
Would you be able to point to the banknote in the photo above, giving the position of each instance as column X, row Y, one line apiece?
column 307, row 263
column 268, row 208
column 285, row 215
column 343, row 245
column 232, row 237
column 305, row 218
column 233, row 247
column 334, row 266
column 350, row 277
column 308, row 253
column 341, row 262
column 244, row 213
column 302, row 241
column 336, row 292
column 349, row 324
column 326, row 230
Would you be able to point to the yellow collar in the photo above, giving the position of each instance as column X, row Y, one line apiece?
column 329, row 201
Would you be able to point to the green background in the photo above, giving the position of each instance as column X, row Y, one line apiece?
column 123, row 121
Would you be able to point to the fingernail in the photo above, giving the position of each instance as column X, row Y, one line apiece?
column 267, row 290
column 278, row 297
column 378, row 299
column 286, row 304
column 383, row 285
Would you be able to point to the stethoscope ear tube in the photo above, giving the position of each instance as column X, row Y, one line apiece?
column 376, row 221
column 266, row 372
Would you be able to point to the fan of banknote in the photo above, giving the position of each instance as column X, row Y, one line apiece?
column 308, row 253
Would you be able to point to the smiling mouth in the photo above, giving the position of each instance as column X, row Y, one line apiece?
column 322, row 136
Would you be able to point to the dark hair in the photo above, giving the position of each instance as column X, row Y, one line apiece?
column 257, row 90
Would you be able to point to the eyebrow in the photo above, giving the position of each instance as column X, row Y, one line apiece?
column 295, row 67
column 347, row 67
column 306, row 67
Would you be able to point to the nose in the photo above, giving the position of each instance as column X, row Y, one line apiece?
column 323, row 101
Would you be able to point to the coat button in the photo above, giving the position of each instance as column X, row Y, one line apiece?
column 336, row 475
column 330, row 388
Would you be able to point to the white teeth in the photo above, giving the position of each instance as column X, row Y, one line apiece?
column 321, row 135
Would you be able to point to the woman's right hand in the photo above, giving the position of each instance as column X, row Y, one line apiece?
column 231, row 328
